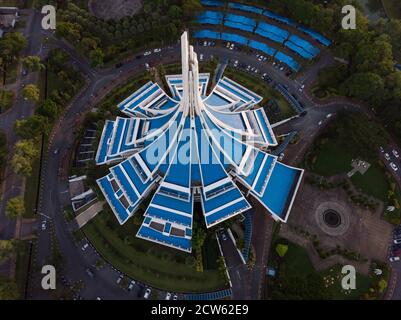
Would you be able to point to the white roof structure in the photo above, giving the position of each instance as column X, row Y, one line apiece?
column 189, row 147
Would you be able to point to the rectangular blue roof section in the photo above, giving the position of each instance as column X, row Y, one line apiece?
column 173, row 241
column 101, row 156
column 118, row 209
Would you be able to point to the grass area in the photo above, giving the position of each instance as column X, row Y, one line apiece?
column 11, row 73
column 393, row 8
column 257, row 85
column 331, row 160
column 296, row 264
column 145, row 261
column 22, row 265
column 54, row 82
column 6, row 100
column 373, row 182
column 332, row 279
column 296, row 261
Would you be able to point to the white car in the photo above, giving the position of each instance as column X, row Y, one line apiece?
column 392, row 259
column 201, row 57
column 120, row 278
column 147, row 293
column 85, row 246
column 131, row 285
column 147, row 53
column 387, row 156
column 168, row 296
column 175, row 297
column 157, row 50
column 43, row 225
column 393, row 166
column 232, row 46
column 281, row 156
column 329, row 115
column 397, row 241
column 381, row 149
column 396, row 154
column 228, row 45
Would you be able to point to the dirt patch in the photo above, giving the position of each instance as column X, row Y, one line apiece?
column 115, row 9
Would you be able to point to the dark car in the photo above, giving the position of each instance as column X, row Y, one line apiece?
column 119, row 65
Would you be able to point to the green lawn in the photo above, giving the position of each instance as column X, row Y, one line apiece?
column 145, row 261
column 331, row 160
column 332, row 279
column 11, row 73
column 296, row 262
column 373, row 182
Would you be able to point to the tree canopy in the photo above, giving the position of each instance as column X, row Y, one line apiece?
column 15, row 208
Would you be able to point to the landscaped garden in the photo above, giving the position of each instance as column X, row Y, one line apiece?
column 296, row 277
column 153, row 264
column 354, row 136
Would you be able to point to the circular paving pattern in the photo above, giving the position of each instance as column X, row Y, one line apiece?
column 332, row 218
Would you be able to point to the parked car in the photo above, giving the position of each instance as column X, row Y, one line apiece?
column 397, row 241
column 44, row 224
column 381, row 149
column 281, row 156
column 85, row 246
column 147, row 293
column 168, row 296
column 393, row 259
column 157, row 50
column 131, row 285
column 175, row 297
column 393, row 166
column 121, row 277
column 90, row 273
column 396, row 154
column 223, row 236
column 387, row 156
column 201, row 57
column 147, row 53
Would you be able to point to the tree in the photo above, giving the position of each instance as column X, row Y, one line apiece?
column 33, row 126
column 33, row 63
column 7, row 248
column 31, row 93
column 49, row 109
column 281, row 249
column 25, row 151
column 8, row 289
column 364, row 86
column 190, row 7
column 11, row 45
column 15, row 208
column 96, row 56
